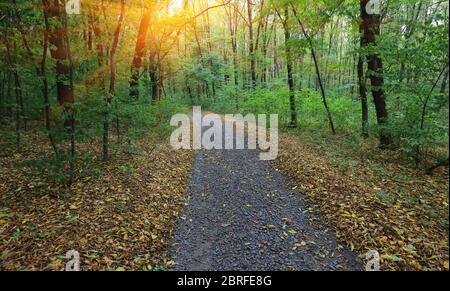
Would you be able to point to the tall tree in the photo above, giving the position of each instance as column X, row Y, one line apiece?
column 317, row 68
column 371, row 30
column 362, row 84
column 233, row 25
column 289, row 66
column 139, row 52
column 112, row 83
column 56, row 26
column 251, row 43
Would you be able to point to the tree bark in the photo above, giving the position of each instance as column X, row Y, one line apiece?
column 112, row 83
column 153, row 72
column 371, row 30
column 251, row 43
column 319, row 77
column 363, row 97
column 362, row 86
column 2, row 97
column 139, row 53
column 287, row 38
column 41, row 72
column 233, row 26
column 55, row 13
column 17, row 89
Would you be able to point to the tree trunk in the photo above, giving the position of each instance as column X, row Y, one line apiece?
column 287, row 37
column 139, row 54
column 251, row 43
column 56, row 29
column 55, row 12
column 371, row 29
column 112, row 84
column 233, row 26
column 153, row 73
column 41, row 72
column 2, row 98
column 444, row 82
column 363, row 96
column 362, row 86
column 45, row 89
column 17, row 90
column 319, row 77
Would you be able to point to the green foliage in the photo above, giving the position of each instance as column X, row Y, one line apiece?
column 202, row 71
column 55, row 169
column 163, row 112
column 385, row 198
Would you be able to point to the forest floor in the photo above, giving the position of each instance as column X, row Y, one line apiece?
column 322, row 204
column 377, row 200
column 121, row 219
column 241, row 214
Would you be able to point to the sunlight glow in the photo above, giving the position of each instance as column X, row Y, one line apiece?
column 175, row 6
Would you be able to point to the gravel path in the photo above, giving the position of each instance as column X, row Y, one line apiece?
column 241, row 215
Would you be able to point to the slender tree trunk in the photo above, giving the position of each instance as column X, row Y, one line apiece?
column 18, row 93
column 251, row 43
column 444, row 82
column 160, row 77
column 2, row 98
column 17, row 89
column 41, row 72
column 275, row 54
column 266, row 40
column 112, row 84
column 362, row 87
column 424, row 111
column 153, row 72
column 319, row 77
column 363, row 97
column 233, row 26
column 289, row 65
column 8, row 92
column 427, row 98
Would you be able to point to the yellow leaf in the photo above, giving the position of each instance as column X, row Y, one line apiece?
column 416, row 265
column 83, row 241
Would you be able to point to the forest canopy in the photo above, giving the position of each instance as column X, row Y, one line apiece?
column 318, row 64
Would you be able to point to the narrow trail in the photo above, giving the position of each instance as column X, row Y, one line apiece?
column 241, row 215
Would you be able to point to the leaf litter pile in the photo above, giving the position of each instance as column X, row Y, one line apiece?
column 121, row 220
column 375, row 203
